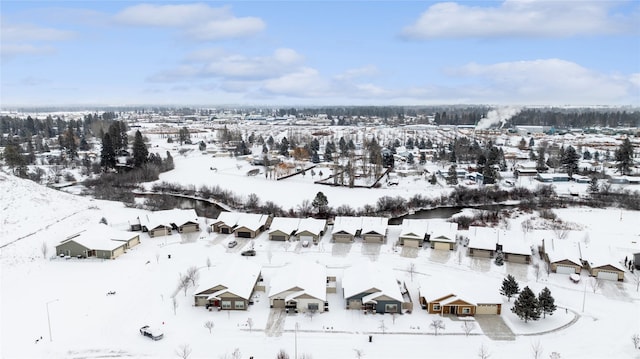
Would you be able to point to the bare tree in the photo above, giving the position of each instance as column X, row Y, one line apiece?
column 359, row 353
column 636, row 279
column 468, row 327
column 394, row 315
column 537, row 271
column 236, row 354
column 437, row 324
column 306, row 356
column 554, row 355
column 596, row 283
column 459, row 256
column 536, row 349
column 44, row 249
column 183, row 351
column 209, row 325
column 269, row 255
column 174, row 304
column 636, row 341
column 411, row 269
column 193, row 275
column 282, row 355
column 183, row 283
column 382, row 326
column 483, row 352
column 208, row 262
column 250, row 324
column 157, row 257
column 311, row 313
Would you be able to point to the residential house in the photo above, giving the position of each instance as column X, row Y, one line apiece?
column 283, row 228
column 299, row 287
column 249, row 225
column 228, row 287
column 226, row 222
column 372, row 288
column 345, row 229
column 100, row 241
column 562, row 256
column 311, row 229
column 442, row 235
column 482, row 241
column 162, row 223
column 374, row 229
column 463, row 300
column 413, row 232
column 600, row 263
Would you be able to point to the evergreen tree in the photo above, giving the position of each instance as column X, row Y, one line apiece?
column 320, row 202
column 433, row 180
column 509, row 287
column 531, row 142
column 184, row 136
column 423, row 158
column 540, row 163
column 546, row 302
column 140, row 152
column 452, row 176
column 315, row 158
column 624, row 157
column 489, row 174
column 526, row 306
column 70, row 143
column 107, row 154
column 499, row 261
column 284, row 147
column 569, row 160
column 202, row 146
column 593, row 186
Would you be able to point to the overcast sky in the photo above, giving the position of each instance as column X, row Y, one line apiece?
column 281, row 53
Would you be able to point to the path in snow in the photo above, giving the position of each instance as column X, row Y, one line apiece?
column 275, row 323
column 41, row 229
column 494, row 327
column 573, row 321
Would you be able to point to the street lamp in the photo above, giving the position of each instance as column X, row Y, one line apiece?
column 48, row 318
column 296, row 342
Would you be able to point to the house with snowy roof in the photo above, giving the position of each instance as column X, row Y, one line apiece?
column 230, row 287
column 482, row 241
column 462, row 300
column 162, row 223
column 226, row 222
column 562, row 256
column 99, row 241
column 600, row 263
column 442, row 235
column 374, row 229
column 345, row 229
column 283, row 228
column 299, row 287
column 372, row 288
column 249, row 225
column 413, row 232
column 311, row 229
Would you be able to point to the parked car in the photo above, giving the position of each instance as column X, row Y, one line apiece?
column 232, row 244
column 153, row 333
column 305, row 244
column 249, row 253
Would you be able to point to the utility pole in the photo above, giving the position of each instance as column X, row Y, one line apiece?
column 48, row 318
column 295, row 355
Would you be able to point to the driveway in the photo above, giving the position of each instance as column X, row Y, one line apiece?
column 275, row 323
column 494, row 327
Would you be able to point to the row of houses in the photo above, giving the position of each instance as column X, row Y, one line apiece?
column 486, row 242
column 303, row 287
column 99, row 241
column 164, row 223
column 569, row 257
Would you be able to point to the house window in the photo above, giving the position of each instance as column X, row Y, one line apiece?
column 239, row 304
column 391, row 308
column 436, row 307
column 466, row 310
column 312, row 306
column 226, row 304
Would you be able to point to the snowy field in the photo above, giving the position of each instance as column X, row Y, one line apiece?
column 85, row 322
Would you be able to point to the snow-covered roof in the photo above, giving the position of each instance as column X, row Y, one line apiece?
column 237, row 276
column 483, row 238
column 558, row 250
column 375, row 225
column 599, row 256
column 100, row 237
column 442, row 231
column 512, row 242
column 284, row 224
column 363, row 277
column 228, row 218
column 310, row 277
column 312, row 225
column 252, row 221
column 349, row 225
column 414, row 228
column 471, row 291
column 166, row 218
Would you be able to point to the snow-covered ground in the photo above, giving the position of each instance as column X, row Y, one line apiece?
column 85, row 322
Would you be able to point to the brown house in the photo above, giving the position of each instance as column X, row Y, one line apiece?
column 469, row 301
column 229, row 288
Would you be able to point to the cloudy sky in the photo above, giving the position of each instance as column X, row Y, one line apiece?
column 524, row 52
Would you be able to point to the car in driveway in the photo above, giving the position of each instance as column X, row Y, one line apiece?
column 232, row 244
column 249, row 253
column 153, row 333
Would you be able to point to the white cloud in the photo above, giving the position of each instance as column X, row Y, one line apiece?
column 548, row 81
column 306, row 82
column 27, row 39
column 198, row 21
column 365, row 71
column 13, row 50
column 532, row 18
